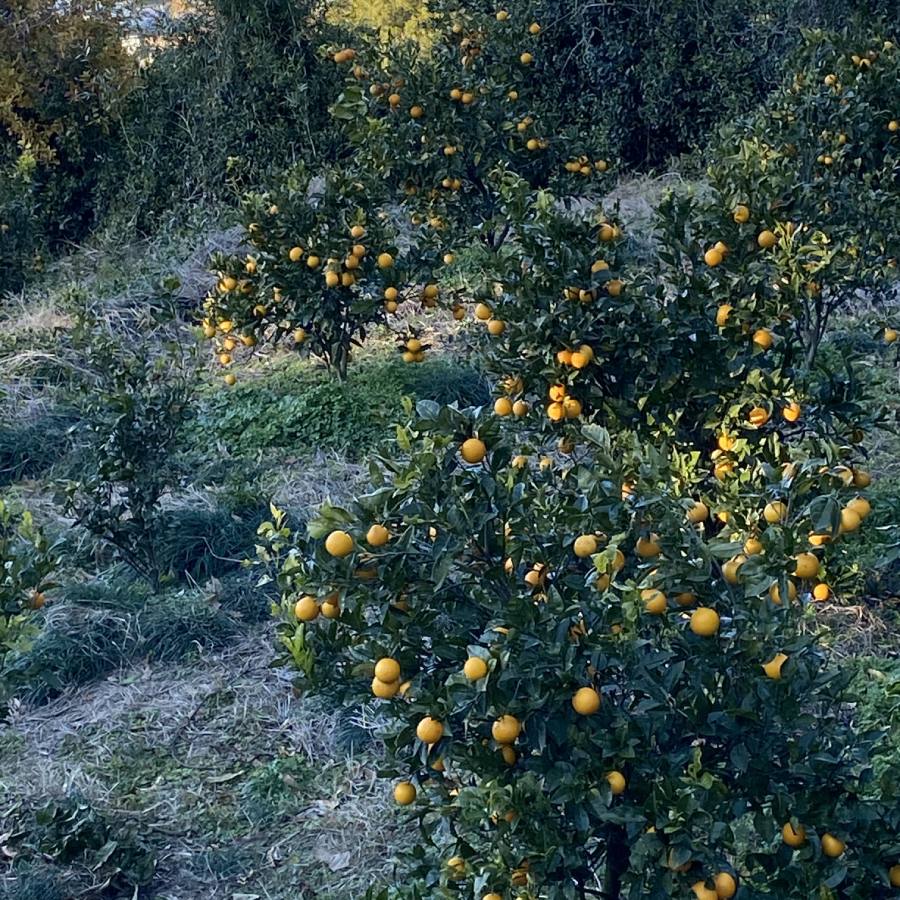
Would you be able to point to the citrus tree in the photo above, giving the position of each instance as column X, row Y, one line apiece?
column 443, row 122
column 325, row 265
column 593, row 633
column 587, row 694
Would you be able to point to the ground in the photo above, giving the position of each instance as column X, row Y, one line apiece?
column 242, row 789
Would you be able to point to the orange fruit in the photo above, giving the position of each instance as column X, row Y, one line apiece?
column 429, row 730
column 473, row 451
column 586, row 701
column 506, row 729
column 339, row 544
column 793, row 837
column 475, row 668
column 704, row 621
column 404, row 793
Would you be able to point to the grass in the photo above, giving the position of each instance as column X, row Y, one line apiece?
column 234, row 785
column 294, row 407
column 96, row 628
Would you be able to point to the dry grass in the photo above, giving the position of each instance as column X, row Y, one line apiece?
column 183, row 752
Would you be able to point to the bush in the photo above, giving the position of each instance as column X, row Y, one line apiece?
column 65, row 75
column 656, row 79
column 71, row 831
column 590, row 615
column 27, row 565
column 322, row 272
column 133, row 405
column 231, row 92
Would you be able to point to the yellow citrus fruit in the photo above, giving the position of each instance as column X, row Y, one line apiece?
column 230, row 379
column 584, row 546
column 387, row 669
column 773, row 669
column 586, row 701
column 506, row 729
column 793, row 837
column 763, row 338
column 384, row 690
column 526, row 59
column 306, row 609
column 475, row 668
column 404, row 793
column 339, row 544
column 331, row 610
column 726, row 885
column 850, row 520
column 712, row 257
column 647, row 547
column 731, row 569
column 821, row 592
column 699, row 512
column 495, row 327
column 753, row 546
column 775, row 512
column 775, row 592
column 704, row 621
column 832, row 847
column 741, row 214
column 766, row 239
column 702, row 892
column 429, row 730
column 894, row 876
column 791, row 412
column 483, row 312
column 377, row 536
column 758, row 416
column 503, row 406
column 616, row 781
column 654, row 601
column 473, row 451
column 860, row 506
column 807, row 565
column 520, row 408
column 385, row 260
column 723, row 313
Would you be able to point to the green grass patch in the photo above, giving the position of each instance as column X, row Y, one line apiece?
column 304, row 410
column 95, row 628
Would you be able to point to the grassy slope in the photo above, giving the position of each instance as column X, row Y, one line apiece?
column 162, row 714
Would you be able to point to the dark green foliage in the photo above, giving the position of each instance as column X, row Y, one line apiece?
column 133, row 405
column 200, row 542
column 237, row 93
column 304, row 410
column 72, row 831
column 654, row 78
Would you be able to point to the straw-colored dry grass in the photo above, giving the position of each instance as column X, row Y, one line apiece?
column 240, row 787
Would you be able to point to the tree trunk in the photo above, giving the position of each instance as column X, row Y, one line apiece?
column 616, row 861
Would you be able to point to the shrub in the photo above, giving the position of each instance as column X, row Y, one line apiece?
column 323, row 272
column 228, row 94
column 593, row 633
column 65, row 75
column 72, row 831
column 133, row 406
